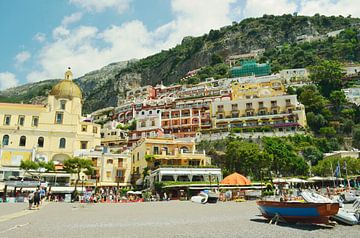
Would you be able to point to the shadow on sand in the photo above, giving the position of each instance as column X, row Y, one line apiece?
column 299, row 226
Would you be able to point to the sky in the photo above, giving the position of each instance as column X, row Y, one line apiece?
column 39, row 39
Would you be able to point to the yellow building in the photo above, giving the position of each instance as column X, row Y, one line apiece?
column 281, row 112
column 111, row 169
column 156, row 152
column 257, row 90
column 46, row 132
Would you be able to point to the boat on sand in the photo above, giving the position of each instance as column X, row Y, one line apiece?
column 298, row 212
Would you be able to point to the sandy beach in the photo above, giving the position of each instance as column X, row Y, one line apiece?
column 156, row 219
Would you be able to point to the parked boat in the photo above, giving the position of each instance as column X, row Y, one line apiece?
column 348, row 197
column 213, row 197
column 343, row 215
column 201, row 198
column 293, row 212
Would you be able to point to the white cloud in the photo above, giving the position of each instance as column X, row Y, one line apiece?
column 71, row 19
column 40, row 37
column 257, row 8
column 79, row 47
column 22, row 57
column 7, row 80
column 330, row 7
column 100, row 5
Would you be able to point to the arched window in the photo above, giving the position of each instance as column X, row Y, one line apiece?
column 62, row 143
column 184, row 149
column 22, row 141
column 41, row 141
column 5, row 140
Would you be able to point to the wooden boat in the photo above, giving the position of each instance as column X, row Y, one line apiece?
column 293, row 212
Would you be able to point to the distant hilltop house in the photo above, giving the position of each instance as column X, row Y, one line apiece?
column 343, row 153
column 252, row 55
column 294, row 75
column 353, row 95
column 315, row 37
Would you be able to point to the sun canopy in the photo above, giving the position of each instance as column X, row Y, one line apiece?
column 236, row 179
column 296, row 180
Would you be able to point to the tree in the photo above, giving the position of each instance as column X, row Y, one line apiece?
column 76, row 166
column 36, row 168
column 337, row 98
column 312, row 99
column 312, row 154
column 356, row 138
column 327, row 166
column 327, row 131
column 216, row 59
column 327, row 75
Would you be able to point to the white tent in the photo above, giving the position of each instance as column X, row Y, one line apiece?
column 296, row 180
column 316, row 178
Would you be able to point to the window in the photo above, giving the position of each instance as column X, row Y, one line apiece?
column 234, row 107
column 142, row 113
column 156, row 150
column 109, row 161
column 138, row 156
column 261, row 112
column 249, row 114
column 62, row 104
column 261, row 104
column 35, row 121
column 120, row 164
column 143, row 124
column 152, row 123
column 108, row 174
column 83, row 145
column 21, row 120
column 84, row 128
column 5, row 140
column 94, row 129
column 184, row 149
column 273, row 103
column 59, row 118
column 166, row 150
column 150, row 112
column 7, row 120
column 62, row 143
column 248, row 105
column 22, row 141
column 41, row 142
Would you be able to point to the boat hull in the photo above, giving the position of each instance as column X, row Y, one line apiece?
column 316, row 213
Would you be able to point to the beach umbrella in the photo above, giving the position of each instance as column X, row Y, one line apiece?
column 279, row 180
column 316, row 178
column 235, row 179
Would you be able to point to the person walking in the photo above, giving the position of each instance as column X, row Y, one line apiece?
column 31, row 199
column 37, row 198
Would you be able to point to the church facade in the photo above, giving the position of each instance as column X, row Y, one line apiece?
column 49, row 132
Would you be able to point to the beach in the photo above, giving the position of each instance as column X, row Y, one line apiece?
column 154, row 219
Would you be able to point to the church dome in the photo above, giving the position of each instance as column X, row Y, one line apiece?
column 66, row 88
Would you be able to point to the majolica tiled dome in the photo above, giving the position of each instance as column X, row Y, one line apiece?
column 66, row 88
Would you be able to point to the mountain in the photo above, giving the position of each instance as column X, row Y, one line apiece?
column 278, row 35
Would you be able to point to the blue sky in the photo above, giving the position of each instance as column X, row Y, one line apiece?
column 39, row 39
